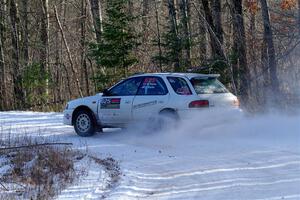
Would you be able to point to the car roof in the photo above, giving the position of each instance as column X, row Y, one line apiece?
column 187, row 75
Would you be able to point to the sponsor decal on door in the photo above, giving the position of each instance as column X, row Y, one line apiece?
column 142, row 105
column 110, row 103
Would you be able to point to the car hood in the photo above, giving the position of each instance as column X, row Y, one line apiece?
column 87, row 101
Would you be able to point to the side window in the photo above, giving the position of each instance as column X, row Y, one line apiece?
column 152, row 86
column 128, row 87
column 179, row 85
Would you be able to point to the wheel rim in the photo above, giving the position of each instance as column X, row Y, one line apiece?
column 83, row 123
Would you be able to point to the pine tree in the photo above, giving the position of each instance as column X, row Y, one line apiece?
column 175, row 40
column 115, row 50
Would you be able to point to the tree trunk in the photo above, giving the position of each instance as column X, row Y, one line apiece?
column 19, row 100
column 174, row 29
column 145, row 26
column 25, row 53
column 241, row 68
column 2, row 76
column 299, row 16
column 184, row 20
column 97, row 18
column 2, row 61
column 268, row 38
column 158, row 36
column 66, row 78
column 83, row 48
column 44, row 36
column 74, row 71
column 203, row 36
column 216, row 44
column 253, row 61
column 216, row 12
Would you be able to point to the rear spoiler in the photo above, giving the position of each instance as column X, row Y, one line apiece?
column 206, row 76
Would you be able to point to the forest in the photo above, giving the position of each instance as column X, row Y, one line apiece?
column 52, row 51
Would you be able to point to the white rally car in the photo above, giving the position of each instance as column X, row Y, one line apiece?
column 146, row 97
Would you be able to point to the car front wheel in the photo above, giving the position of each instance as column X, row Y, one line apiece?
column 84, row 124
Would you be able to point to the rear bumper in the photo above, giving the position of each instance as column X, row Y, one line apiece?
column 67, row 119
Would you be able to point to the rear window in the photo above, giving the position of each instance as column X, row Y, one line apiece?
column 208, row 85
column 179, row 85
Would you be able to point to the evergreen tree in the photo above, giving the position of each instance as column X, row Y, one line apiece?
column 175, row 42
column 117, row 40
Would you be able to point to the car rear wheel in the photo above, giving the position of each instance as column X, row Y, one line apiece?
column 84, row 124
column 167, row 119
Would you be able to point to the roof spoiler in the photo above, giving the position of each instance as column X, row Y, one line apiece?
column 213, row 75
column 207, row 76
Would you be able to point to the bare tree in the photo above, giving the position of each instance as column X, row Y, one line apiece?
column 268, row 38
column 174, row 30
column 145, row 25
column 184, row 20
column 16, row 75
column 25, row 34
column 253, row 61
column 299, row 16
column 158, row 35
column 240, row 69
column 97, row 18
column 216, row 44
column 74, row 71
column 83, row 47
column 217, row 19
column 44, row 36
column 202, row 35
column 2, row 60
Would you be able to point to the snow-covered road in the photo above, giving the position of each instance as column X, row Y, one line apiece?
column 210, row 157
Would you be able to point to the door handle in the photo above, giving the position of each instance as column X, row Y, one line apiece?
column 127, row 102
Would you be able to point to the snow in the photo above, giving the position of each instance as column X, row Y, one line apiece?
column 220, row 155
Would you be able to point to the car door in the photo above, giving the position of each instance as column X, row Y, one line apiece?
column 152, row 97
column 116, row 107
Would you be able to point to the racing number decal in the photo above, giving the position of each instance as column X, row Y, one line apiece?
column 110, row 103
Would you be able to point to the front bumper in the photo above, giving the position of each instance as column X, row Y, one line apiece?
column 67, row 119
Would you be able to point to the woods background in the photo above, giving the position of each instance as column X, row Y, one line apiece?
column 53, row 51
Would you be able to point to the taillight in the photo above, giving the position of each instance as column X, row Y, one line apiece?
column 199, row 104
column 236, row 103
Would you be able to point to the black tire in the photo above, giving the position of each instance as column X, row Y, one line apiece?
column 84, row 123
column 167, row 119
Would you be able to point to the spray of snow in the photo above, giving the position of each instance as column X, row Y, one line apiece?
column 223, row 126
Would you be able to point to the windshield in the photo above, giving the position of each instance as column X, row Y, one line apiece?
column 208, row 85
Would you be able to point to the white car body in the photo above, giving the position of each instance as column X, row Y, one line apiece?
column 115, row 110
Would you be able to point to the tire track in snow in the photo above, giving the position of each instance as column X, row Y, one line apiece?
column 295, row 196
column 210, row 171
column 208, row 185
column 139, row 193
column 282, row 159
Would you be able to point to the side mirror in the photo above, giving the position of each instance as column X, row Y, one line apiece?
column 105, row 92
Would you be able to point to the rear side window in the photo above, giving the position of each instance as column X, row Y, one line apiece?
column 208, row 85
column 179, row 85
column 152, row 86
